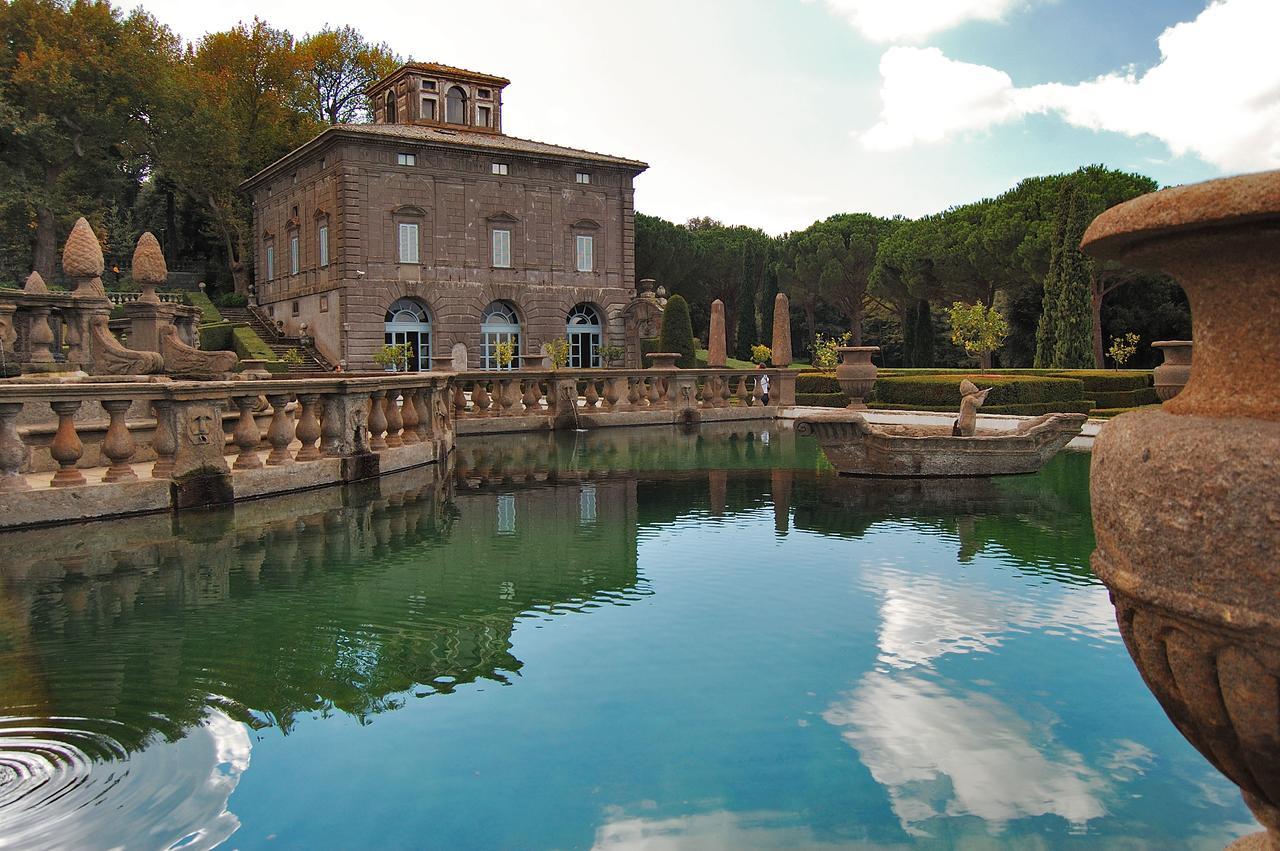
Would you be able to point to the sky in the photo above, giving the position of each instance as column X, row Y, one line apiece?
column 777, row 113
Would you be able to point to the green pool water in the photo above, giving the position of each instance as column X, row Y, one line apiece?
column 617, row 639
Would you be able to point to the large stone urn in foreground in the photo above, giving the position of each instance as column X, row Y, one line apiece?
column 1186, row 498
column 856, row 373
column 1171, row 376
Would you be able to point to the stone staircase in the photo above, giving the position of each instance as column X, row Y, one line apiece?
column 313, row 363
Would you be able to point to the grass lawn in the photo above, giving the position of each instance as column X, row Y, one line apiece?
column 733, row 363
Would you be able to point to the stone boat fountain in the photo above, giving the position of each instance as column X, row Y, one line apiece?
column 856, row 447
column 1186, row 498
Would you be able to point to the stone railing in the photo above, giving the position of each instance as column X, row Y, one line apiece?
column 577, row 392
column 119, row 298
column 192, row 427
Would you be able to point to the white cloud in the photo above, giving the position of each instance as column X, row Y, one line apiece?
column 915, row 20
column 1215, row 93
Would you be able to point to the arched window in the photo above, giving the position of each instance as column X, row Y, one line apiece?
column 583, row 330
column 390, row 113
column 499, row 324
column 455, row 105
column 408, row 323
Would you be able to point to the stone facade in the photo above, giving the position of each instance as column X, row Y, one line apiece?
column 371, row 189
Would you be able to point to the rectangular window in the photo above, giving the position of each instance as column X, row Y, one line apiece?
column 429, row 109
column 483, row 116
column 271, row 261
column 293, row 308
column 484, row 94
column 322, row 239
column 506, row 514
column 324, row 304
column 408, row 242
column 502, row 249
column 406, row 159
column 501, row 168
column 293, row 253
column 428, row 85
column 583, row 177
column 586, row 251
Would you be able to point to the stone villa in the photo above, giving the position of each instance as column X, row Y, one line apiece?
column 434, row 228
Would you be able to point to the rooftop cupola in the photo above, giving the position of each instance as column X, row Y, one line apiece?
column 439, row 96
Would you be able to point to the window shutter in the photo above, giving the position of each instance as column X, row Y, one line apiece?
column 323, row 239
column 408, row 243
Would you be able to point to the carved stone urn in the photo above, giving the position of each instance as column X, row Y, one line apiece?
column 663, row 360
column 856, row 373
column 1171, row 376
column 1186, row 498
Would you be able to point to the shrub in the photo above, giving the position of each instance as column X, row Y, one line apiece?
column 825, row 355
column 978, row 328
column 609, row 355
column 822, row 400
column 1026, row 409
column 247, row 345
column 293, row 357
column 677, row 332
column 944, row 390
column 817, row 382
column 1124, row 398
column 232, row 300
column 761, row 354
column 1108, row 380
column 208, row 313
column 558, row 352
column 216, row 336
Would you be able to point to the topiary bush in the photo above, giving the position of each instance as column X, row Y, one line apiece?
column 944, row 390
column 817, row 382
column 676, row 334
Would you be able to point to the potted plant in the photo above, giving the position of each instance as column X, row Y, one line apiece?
column 611, row 355
column 393, row 358
column 558, row 352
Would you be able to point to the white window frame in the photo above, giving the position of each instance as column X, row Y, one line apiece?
column 405, row 158
column 583, row 177
column 271, row 260
column 501, row 244
column 503, row 169
column 322, row 240
column 295, row 252
column 407, row 242
column 584, row 252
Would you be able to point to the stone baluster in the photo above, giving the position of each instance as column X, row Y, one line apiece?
column 743, row 397
column 247, row 435
column 422, row 406
column 723, row 402
column 708, row 393
column 118, row 444
column 164, row 442
column 480, row 400
column 757, row 392
column 459, row 400
column 612, row 393
column 307, row 430
column 526, row 394
column 66, row 448
column 655, row 391
column 409, row 416
column 280, row 431
column 590, row 396
column 40, row 337
column 505, row 398
column 395, row 422
column 633, row 392
column 13, row 452
column 378, row 421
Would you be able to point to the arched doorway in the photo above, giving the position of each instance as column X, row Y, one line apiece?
column 408, row 323
column 583, row 330
column 499, row 324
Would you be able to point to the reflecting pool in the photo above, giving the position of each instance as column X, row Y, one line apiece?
column 629, row 638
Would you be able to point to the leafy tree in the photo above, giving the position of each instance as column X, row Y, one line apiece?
column 339, row 64
column 676, row 333
column 980, row 329
column 664, row 252
column 78, row 87
column 1073, row 331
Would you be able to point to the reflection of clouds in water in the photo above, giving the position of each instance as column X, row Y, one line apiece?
column 939, row 752
column 923, row 617
column 714, row 830
column 167, row 795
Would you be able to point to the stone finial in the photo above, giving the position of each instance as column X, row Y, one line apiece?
column 35, row 284
column 781, row 347
column 717, row 351
column 82, row 256
column 149, row 268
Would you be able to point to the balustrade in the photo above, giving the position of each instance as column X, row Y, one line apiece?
column 310, row 419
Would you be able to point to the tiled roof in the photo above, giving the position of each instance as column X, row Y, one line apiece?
column 428, row 135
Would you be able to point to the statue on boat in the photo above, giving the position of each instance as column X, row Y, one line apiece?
column 859, row 448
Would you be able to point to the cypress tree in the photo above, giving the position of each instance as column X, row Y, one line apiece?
column 768, row 293
column 922, row 336
column 676, row 334
column 747, row 333
column 1046, row 330
column 1073, row 335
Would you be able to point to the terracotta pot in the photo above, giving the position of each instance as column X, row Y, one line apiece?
column 1185, row 496
column 1172, row 375
column 856, row 373
column 663, row 360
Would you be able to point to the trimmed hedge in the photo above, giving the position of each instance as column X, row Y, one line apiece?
column 208, row 313
column 1109, row 380
column 248, row 345
column 1125, row 398
column 822, row 400
column 944, row 390
column 817, row 382
column 1029, row 409
column 216, row 337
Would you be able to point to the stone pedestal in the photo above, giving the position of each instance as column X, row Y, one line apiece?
column 1184, row 498
column 857, row 374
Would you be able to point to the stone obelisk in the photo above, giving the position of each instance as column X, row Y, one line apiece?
column 781, row 347
column 716, row 349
